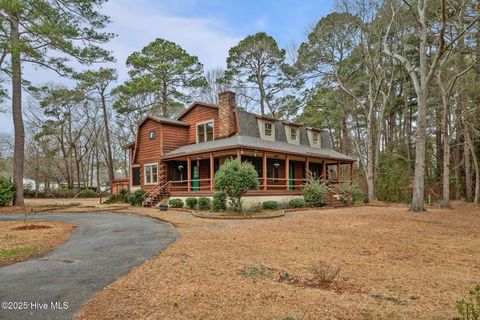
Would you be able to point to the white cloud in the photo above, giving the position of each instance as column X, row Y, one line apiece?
column 137, row 23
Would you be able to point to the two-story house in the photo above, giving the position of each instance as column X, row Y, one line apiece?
column 179, row 158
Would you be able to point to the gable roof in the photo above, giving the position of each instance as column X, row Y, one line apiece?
column 164, row 120
column 193, row 105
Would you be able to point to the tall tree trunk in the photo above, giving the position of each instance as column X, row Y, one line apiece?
column 468, row 172
column 471, row 146
column 446, row 146
column 19, row 149
column 111, row 174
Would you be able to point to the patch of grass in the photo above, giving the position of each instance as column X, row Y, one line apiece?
column 258, row 272
column 17, row 251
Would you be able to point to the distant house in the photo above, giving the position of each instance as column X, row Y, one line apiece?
column 178, row 158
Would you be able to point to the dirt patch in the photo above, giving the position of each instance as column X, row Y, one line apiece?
column 32, row 227
column 21, row 241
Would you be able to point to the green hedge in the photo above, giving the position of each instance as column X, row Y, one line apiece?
column 7, row 191
column 219, row 202
column 204, row 203
column 191, row 202
column 296, row 203
column 270, row 205
column 176, row 203
column 136, row 199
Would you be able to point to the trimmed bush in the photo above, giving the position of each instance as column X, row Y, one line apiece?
column 204, row 203
column 296, row 203
column 7, row 191
column 136, row 199
column 235, row 178
column 270, row 205
column 123, row 195
column 314, row 191
column 219, row 202
column 191, row 202
column 87, row 193
column 355, row 193
column 176, row 203
column 112, row 199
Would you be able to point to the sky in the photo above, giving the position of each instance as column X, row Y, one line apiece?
column 205, row 28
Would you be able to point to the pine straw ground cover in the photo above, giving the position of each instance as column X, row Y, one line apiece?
column 393, row 265
column 20, row 241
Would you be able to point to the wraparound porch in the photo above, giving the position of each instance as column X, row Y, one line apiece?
column 279, row 173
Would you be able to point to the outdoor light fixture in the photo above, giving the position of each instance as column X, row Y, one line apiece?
column 276, row 164
column 180, row 167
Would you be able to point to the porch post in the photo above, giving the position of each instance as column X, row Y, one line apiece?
column 189, row 173
column 325, row 173
column 264, row 171
column 239, row 155
column 287, row 171
column 338, row 171
column 306, row 167
column 351, row 173
column 211, row 171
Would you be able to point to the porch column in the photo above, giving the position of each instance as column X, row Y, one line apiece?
column 239, row 155
column 287, row 171
column 264, row 171
column 189, row 173
column 325, row 173
column 338, row 171
column 306, row 167
column 351, row 173
column 211, row 171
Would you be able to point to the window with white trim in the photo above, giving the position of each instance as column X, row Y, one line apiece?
column 315, row 137
column 268, row 129
column 205, row 132
column 293, row 134
column 151, row 173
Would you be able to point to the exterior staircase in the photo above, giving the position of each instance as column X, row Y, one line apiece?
column 156, row 194
column 336, row 197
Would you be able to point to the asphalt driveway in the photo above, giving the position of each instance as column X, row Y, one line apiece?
column 102, row 248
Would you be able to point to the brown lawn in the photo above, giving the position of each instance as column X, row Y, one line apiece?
column 21, row 240
column 394, row 265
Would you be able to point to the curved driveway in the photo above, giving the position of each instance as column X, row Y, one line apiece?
column 102, row 248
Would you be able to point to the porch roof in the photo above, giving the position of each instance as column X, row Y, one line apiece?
column 239, row 141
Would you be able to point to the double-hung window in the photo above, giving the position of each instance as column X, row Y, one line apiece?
column 315, row 137
column 268, row 129
column 205, row 132
column 151, row 173
column 293, row 134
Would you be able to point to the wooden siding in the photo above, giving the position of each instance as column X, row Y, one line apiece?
column 200, row 114
column 173, row 137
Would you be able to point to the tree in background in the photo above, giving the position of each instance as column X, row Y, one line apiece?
column 257, row 64
column 99, row 81
column 163, row 76
column 46, row 33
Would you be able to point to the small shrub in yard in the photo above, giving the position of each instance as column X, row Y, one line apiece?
column 191, row 202
column 235, row 178
column 324, row 274
column 123, row 195
column 270, row 205
column 355, row 192
column 112, row 199
column 176, row 203
column 204, row 203
column 87, row 193
column 297, row 203
column 7, row 191
column 314, row 191
column 136, row 199
column 219, row 202
column 469, row 309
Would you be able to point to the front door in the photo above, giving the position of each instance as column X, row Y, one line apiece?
column 291, row 173
column 195, row 177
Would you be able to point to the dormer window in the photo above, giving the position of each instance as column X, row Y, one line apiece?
column 315, row 137
column 205, row 131
column 293, row 134
column 268, row 129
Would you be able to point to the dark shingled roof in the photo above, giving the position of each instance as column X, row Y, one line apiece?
column 257, row 143
column 168, row 120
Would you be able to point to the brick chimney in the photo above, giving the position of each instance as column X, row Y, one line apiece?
column 226, row 107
